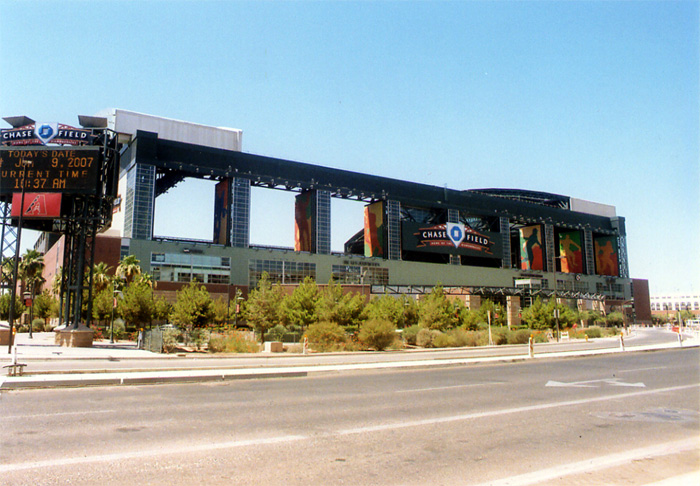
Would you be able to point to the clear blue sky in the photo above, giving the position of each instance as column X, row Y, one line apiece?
column 596, row 100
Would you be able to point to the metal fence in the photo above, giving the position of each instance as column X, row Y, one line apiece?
column 153, row 340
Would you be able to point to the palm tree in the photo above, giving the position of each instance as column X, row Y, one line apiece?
column 56, row 283
column 101, row 279
column 129, row 267
column 30, row 269
column 147, row 279
column 6, row 271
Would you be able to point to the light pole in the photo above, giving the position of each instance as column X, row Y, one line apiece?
column 13, row 292
column 115, row 293
column 556, row 302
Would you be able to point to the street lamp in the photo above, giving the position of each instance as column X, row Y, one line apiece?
column 13, row 292
column 115, row 293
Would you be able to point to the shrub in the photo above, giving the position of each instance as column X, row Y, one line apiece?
column 464, row 337
column 233, row 342
column 118, row 329
column 377, row 333
column 171, row 337
column 444, row 340
column 410, row 333
column 426, row 337
column 499, row 335
column 38, row 325
column 276, row 333
column 326, row 336
column 521, row 336
column 460, row 336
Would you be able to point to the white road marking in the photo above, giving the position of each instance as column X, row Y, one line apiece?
column 588, row 383
column 446, row 387
column 121, row 456
column 161, row 451
column 596, row 463
column 493, row 413
column 643, row 369
column 53, row 414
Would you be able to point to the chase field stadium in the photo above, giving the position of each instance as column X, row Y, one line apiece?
column 507, row 245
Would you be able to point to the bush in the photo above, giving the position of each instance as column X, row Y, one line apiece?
column 326, row 336
column 171, row 337
column 426, row 337
column 463, row 337
column 233, row 342
column 119, row 329
column 499, row 335
column 521, row 336
column 377, row 333
column 444, row 340
column 38, row 325
column 593, row 332
column 276, row 333
column 409, row 334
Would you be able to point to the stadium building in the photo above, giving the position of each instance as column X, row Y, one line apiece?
column 507, row 245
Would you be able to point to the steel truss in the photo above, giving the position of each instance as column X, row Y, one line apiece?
column 482, row 290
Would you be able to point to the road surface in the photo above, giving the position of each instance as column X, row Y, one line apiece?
column 627, row 418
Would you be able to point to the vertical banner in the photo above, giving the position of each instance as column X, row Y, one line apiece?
column 571, row 251
column 304, row 221
column 375, row 241
column 222, row 212
column 531, row 252
column 606, row 262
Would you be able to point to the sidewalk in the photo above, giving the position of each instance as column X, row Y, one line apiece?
column 105, row 364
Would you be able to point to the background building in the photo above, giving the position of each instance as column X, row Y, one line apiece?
column 505, row 244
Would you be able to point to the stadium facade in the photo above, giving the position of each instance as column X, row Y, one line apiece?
column 505, row 244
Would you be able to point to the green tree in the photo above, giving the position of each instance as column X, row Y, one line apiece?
column 102, row 305
column 262, row 309
column 615, row 319
column 301, row 308
column 537, row 315
column 436, row 311
column 44, row 305
column 193, row 307
column 222, row 311
column 128, row 269
column 163, row 308
column 386, row 308
column 345, row 309
column 137, row 306
column 5, row 306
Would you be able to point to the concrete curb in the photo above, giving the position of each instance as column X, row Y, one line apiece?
column 218, row 375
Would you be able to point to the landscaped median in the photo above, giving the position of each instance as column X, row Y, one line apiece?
column 317, row 363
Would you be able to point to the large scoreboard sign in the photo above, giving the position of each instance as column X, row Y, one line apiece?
column 66, row 170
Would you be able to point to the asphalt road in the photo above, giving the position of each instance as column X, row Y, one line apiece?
column 627, row 418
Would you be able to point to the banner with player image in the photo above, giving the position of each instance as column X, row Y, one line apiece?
column 571, row 251
column 606, row 260
column 375, row 239
column 531, row 248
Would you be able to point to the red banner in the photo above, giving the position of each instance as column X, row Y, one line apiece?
column 37, row 205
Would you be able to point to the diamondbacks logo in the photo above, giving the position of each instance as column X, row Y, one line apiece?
column 40, row 205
